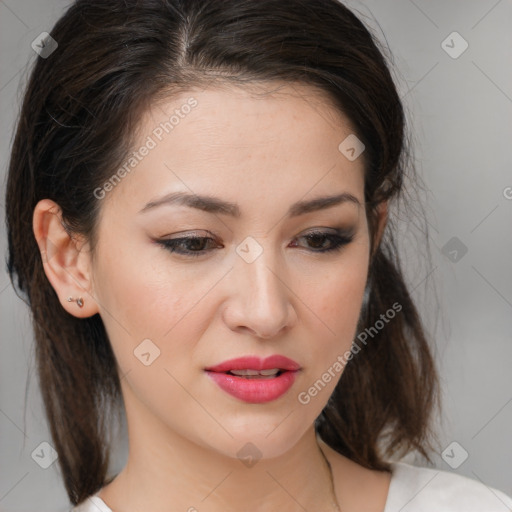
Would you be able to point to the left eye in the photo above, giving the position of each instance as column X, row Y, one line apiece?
column 195, row 246
column 336, row 240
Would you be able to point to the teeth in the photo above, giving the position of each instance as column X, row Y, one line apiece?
column 271, row 371
column 250, row 373
column 244, row 373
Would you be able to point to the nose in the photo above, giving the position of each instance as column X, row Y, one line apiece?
column 261, row 301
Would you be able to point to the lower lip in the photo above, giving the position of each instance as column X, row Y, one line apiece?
column 254, row 391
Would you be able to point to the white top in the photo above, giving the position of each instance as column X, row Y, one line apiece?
column 412, row 489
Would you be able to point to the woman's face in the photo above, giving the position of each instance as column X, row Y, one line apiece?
column 250, row 283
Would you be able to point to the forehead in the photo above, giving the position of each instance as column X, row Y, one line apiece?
column 232, row 110
column 266, row 140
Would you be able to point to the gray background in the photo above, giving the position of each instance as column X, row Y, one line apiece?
column 459, row 110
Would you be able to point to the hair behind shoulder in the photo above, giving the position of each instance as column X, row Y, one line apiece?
column 78, row 119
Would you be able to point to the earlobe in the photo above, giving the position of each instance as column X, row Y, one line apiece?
column 66, row 263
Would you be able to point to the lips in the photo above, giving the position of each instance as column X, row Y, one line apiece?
column 255, row 380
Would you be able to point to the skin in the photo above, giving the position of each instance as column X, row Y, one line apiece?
column 263, row 152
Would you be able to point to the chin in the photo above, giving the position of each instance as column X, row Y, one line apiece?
column 256, row 443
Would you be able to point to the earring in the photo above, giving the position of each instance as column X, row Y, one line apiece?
column 79, row 301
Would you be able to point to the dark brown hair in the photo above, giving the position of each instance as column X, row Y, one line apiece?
column 78, row 120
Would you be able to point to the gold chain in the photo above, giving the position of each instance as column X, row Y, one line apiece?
column 334, row 499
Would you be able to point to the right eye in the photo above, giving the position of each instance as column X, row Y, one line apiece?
column 187, row 246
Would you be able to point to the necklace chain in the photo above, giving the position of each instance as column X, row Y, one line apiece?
column 335, row 503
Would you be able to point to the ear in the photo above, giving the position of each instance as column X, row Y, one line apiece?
column 66, row 259
column 382, row 218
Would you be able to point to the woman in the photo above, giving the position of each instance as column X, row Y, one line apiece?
column 208, row 185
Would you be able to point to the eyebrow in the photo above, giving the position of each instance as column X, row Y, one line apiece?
column 216, row 205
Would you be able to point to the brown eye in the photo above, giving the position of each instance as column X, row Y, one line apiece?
column 187, row 246
column 317, row 240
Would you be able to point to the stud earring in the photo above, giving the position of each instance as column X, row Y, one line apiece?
column 79, row 301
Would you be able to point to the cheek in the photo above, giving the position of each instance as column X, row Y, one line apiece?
column 337, row 304
column 145, row 297
column 339, row 293
column 337, row 301
column 136, row 300
column 338, row 312
column 340, row 300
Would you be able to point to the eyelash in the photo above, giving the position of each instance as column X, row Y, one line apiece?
column 338, row 240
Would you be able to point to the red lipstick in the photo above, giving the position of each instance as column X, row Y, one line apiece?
column 255, row 380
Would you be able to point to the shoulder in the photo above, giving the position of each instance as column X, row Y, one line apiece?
column 92, row 504
column 418, row 489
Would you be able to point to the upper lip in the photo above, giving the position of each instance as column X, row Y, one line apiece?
column 256, row 363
